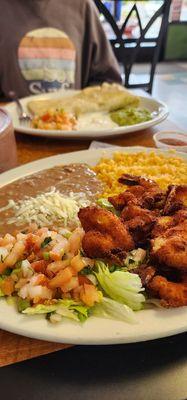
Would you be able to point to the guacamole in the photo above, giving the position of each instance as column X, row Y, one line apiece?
column 130, row 116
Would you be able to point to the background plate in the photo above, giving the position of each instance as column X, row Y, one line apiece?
column 151, row 323
column 160, row 109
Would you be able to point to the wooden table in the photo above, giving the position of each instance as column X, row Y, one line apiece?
column 31, row 148
column 15, row 348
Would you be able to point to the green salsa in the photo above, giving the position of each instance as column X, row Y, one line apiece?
column 130, row 116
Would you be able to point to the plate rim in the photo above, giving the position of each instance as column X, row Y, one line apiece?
column 46, row 163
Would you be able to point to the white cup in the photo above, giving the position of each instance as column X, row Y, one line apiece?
column 174, row 135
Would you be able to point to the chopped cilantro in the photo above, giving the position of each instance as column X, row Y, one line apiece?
column 114, row 267
column 46, row 256
column 86, row 271
column 7, row 272
column 46, row 241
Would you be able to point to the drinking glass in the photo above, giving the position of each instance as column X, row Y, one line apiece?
column 8, row 153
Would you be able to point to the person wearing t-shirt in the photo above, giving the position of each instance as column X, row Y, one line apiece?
column 47, row 45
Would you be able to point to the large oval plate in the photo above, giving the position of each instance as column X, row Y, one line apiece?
column 151, row 323
column 158, row 109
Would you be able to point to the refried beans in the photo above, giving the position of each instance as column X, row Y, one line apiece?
column 76, row 178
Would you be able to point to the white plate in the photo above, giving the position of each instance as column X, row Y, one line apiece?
column 159, row 109
column 151, row 324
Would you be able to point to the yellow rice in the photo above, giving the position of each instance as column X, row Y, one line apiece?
column 165, row 170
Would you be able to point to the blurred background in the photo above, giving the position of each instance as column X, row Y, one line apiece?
column 174, row 44
column 170, row 75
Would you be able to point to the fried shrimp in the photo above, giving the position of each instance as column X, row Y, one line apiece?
column 147, row 192
column 164, row 223
column 171, row 294
column 105, row 232
column 150, row 219
column 145, row 272
column 123, row 199
column 132, row 180
column 139, row 222
column 98, row 244
column 176, row 199
column 171, row 251
column 161, row 225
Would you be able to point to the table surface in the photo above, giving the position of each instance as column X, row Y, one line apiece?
column 155, row 370
column 31, row 148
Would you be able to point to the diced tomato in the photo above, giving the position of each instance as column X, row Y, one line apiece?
column 33, row 243
column 90, row 295
column 61, row 278
column 7, row 286
column 77, row 263
column 72, row 284
column 42, row 280
column 46, row 117
column 39, row 266
column 83, row 279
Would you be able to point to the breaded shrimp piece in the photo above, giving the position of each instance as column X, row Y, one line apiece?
column 132, row 211
column 179, row 229
column 147, row 192
column 161, row 225
column 123, row 199
column 139, row 222
column 171, row 294
column 180, row 216
column 176, row 199
column 103, row 221
column 171, row 251
column 105, row 232
column 96, row 245
column 132, row 180
column 145, row 272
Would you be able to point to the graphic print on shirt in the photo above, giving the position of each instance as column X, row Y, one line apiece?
column 46, row 58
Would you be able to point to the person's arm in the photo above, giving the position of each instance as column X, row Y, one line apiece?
column 98, row 61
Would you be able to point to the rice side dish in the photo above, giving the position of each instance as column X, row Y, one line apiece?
column 157, row 167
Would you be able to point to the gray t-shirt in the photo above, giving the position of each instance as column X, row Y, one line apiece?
column 46, row 45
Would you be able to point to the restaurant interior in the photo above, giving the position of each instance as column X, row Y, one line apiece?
column 93, row 199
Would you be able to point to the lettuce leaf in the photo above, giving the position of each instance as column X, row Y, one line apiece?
column 112, row 309
column 1, row 292
column 22, row 304
column 66, row 308
column 104, row 203
column 122, row 286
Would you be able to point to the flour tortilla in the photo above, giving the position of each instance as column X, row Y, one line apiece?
column 107, row 97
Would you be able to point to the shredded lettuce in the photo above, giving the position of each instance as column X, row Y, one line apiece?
column 1, row 292
column 22, row 304
column 104, row 203
column 66, row 308
column 122, row 286
column 112, row 309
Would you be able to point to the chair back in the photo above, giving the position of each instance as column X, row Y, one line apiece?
column 127, row 50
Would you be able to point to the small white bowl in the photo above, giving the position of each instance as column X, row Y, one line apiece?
column 176, row 135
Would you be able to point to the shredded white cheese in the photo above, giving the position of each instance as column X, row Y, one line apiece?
column 47, row 208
